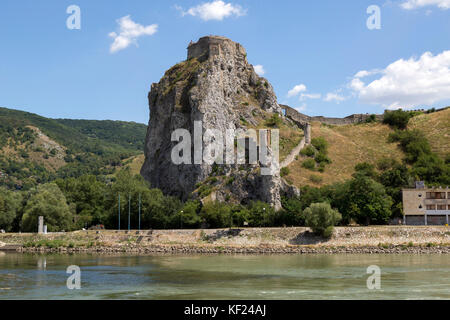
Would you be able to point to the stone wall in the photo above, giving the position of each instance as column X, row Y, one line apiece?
column 300, row 120
column 210, row 46
column 352, row 119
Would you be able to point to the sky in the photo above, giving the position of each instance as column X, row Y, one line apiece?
column 325, row 57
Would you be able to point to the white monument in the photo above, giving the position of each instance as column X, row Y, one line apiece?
column 41, row 225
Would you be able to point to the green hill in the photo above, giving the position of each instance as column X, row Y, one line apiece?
column 35, row 149
column 129, row 135
column 367, row 142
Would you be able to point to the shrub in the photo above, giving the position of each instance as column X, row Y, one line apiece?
column 230, row 181
column 308, row 151
column 397, row 119
column 413, row 143
column 426, row 164
column 204, row 191
column 274, row 121
column 322, row 157
column 321, row 218
column 284, row 171
column 366, row 169
column 315, row 178
column 309, row 164
column 371, row 118
column 320, row 144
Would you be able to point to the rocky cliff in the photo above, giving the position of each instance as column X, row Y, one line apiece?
column 217, row 86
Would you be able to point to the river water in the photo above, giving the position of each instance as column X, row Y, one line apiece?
column 296, row 277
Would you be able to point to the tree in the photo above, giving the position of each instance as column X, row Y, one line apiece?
column 365, row 201
column 241, row 215
column 189, row 216
column 394, row 179
column 88, row 195
column 292, row 213
column 131, row 187
column 48, row 201
column 217, row 214
column 432, row 169
column 10, row 207
column 261, row 214
column 321, row 218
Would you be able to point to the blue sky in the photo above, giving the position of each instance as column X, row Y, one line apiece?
column 323, row 48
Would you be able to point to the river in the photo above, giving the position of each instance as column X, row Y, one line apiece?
column 296, row 277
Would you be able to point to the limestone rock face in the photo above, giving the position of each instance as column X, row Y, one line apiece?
column 217, row 86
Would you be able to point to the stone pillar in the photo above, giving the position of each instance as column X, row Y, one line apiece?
column 45, row 229
column 41, row 225
column 404, row 220
column 446, row 218
column 308, row 134
column 426, row 219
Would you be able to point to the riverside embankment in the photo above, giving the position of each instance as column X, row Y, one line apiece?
column 346, row 240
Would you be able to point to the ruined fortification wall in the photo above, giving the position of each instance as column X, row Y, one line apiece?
column 210, row 46
column 300, row 120
column 352, row 119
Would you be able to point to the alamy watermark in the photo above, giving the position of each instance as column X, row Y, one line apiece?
column 73, row 22
column 74, row 280
column 227, row 147
column 374, row 21
column 374, row 281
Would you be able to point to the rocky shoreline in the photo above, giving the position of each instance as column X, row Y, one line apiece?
column 295, row 240
column 189, row 249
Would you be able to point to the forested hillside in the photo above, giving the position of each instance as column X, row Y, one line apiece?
column 35, row 149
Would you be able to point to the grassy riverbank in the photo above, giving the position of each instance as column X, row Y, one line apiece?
column 376, row 239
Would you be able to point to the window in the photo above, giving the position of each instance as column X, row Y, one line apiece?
column 442, row 207
column 435, row 195
column 420, row 195
column 431, row 207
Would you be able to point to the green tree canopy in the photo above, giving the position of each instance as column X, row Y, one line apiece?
column 10, row 207
column 48, row 201
column 321, row 218
column 365, row 201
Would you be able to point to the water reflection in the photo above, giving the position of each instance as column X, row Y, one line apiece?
column 224, row 277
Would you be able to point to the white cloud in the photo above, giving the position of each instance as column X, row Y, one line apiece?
column 305, row 96
column 409, row 83
column 129, row 32
column 414, row 4
column 356, row 84
column 259, row 69
column 215, row 10
column 302, row 108
column 296, row 90
column 334, row 97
